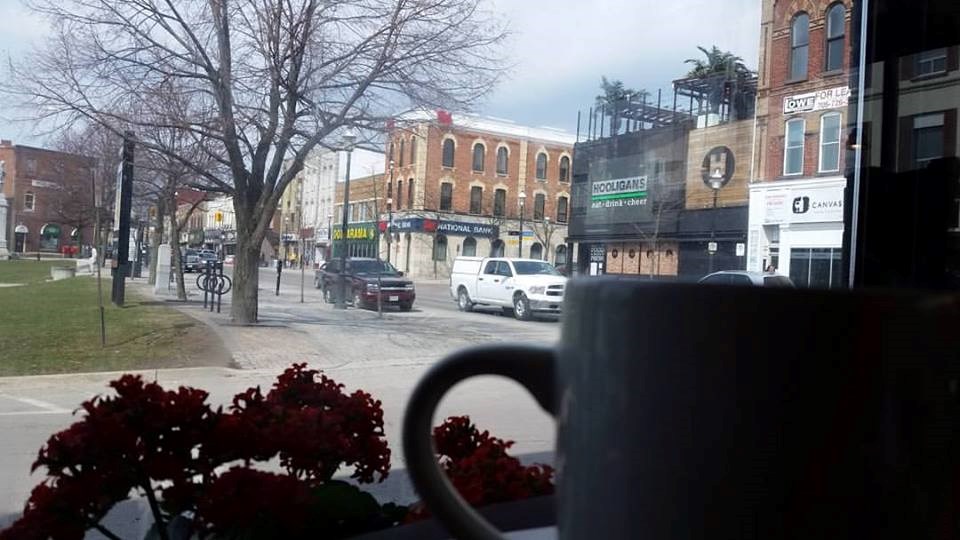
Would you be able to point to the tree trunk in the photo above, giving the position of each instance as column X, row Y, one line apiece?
column 157, row 240
column 175, row 251
column 246, row 279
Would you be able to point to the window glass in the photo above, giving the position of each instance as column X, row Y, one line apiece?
column 793, row 147
column 478, row 154
column 448, row 149
column 491, row 267
column 503, row 269
column 835, row 37
column 928, row 136
column 799, row 46
column 410, row 193
column 29, row 201
column 541, row 166
column 446, row 196
column 527, row 268
column 536, row 251
column 564, row 169
column 830, row 142
column 539, row 200
column 440, row 248
column 476, row 199
column 413, row 150
column 402, row 152
column 497, row 248
column 502, row 158
column 561, row 210
column 499, row 202
column 931, row 62
column 469, row 247
column 560, row 257
column 740, row 279
column 399, row 194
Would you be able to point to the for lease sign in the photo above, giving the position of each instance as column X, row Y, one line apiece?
column 831, row 98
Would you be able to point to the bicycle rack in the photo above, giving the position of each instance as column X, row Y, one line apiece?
column 213, row 284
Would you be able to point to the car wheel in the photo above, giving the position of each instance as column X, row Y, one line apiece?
column 463, row 300
column 327, row 295
column 357, row 301
column 521, row 307
column 406, row 306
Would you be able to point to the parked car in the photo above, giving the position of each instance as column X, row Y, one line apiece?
column 742, row 277
column 191, row 260
column 521, row 287
column 229, row 259
column 366, row 279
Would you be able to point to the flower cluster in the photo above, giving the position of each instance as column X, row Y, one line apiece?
column 479, row 467
column 172, row 447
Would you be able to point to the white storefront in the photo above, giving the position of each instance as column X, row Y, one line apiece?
column 797, row 226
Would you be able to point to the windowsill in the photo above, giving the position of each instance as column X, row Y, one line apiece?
column 796, row 81
column 790, row 176
column 502, row 175
column 544, row 180
column 832, row 73
column 828, row 173
column 928, row 76
column 474, row 171
column 444, row 167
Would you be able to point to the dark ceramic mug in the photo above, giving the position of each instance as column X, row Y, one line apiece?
column 725, row 412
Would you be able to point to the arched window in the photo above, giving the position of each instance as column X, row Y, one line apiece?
column 836, row 28
column 793, row 147
column 541, row 166
column 536, row 251
column 402, row 151
column 476, row 199
column 413, row 150
column 799, row 46
column 499, row 202
column 561, row 210
column 496, row 248
column 502, row 160
column 469, row 247
column 478, row 155
column 440, row 248
column 448, row 149
column 399, row 194
column 539, row 200
column 561, row 255
column 410, row 193
column 830, row 142
column 391, row 151
column 564, row 169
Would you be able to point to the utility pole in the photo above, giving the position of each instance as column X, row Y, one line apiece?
column 349, row 138
column 390, row 213
column 523, row 197
column 302, row 243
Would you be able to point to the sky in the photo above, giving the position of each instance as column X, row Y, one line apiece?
column 559, row 48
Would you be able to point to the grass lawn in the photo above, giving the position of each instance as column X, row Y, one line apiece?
column 54, row 327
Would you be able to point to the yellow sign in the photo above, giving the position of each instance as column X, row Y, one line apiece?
column 363, row 232
column 218, row 216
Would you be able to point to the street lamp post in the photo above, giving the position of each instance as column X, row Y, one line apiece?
column 4, row 252
column 390, row 213
column 349, row 139
column 522, row 197
column 715, row 183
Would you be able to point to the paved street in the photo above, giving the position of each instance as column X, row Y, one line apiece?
column 383, row 356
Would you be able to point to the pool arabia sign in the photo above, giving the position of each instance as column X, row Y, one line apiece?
column 630, row 191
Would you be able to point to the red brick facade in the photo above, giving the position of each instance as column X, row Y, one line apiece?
column 428, row 173
column 775, row 85
column 46, row 188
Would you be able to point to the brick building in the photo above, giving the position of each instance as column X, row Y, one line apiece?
column 796, row 200
column 363, row 227
column 50, row 196
column 455, row 189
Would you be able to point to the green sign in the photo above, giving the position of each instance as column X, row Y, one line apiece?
column 619, row 188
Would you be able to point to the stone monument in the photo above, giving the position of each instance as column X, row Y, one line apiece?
column 4, row 252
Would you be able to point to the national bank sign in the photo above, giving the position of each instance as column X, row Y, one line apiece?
column 631, row 191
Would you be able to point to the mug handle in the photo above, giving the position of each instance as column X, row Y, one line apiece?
column 531, row 366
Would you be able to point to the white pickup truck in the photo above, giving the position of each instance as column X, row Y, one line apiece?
column 522, row 287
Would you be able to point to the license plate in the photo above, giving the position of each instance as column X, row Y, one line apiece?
column 394, row 299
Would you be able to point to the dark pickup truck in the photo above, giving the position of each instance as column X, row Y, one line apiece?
column 366, row 278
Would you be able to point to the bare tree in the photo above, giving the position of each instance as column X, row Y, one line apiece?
column 268, row 80
column 544, row 231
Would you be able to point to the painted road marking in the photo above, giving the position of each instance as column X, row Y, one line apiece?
column 44, row 406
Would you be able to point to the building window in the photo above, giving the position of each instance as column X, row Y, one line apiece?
column 931, row 63
column 478, row 154
column 448, row 148
column 413, row 150
column 793, row 147
column 440, row 248
column 564, row 169
column 562, row 210
column 446, row 196
column 389, row 189
column 541, row 166
column 830, row 142
column 476, row 199
column 399, row 194
column 499, row 202
column 836, row 28
column 561, row 255
column 816, row 268
column 32, row 166
column 799, row 46
column 502, row 160
column 927, row 138
column 391, row 150
column 410, row 193
column 402, row 152
column 496, row 248
column 29, row 201
column 538, row 202
column 469, row 247
column 536, row 251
